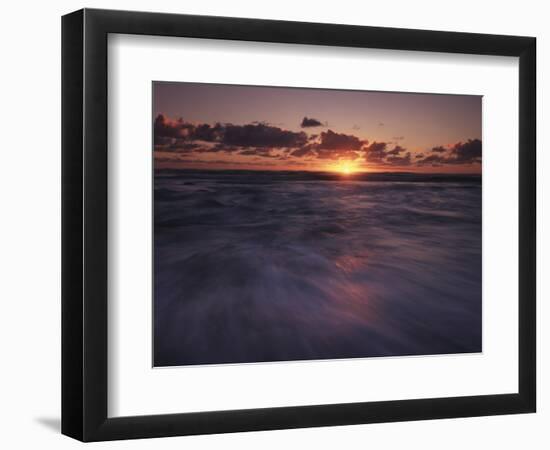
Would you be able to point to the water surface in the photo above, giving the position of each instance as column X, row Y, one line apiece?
column 273, row 266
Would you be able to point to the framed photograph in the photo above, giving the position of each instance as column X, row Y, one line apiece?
column 273, row 224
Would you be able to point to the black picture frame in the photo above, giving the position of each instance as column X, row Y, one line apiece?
column 84, row 224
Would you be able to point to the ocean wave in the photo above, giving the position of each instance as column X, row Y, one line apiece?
column 253, row 267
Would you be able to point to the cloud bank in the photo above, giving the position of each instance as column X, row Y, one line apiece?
column 260, row 140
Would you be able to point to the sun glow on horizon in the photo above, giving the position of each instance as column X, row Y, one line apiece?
column 345, row 167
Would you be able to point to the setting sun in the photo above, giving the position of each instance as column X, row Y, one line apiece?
column 344, row 167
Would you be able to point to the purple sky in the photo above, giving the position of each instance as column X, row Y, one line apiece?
column 229, row 126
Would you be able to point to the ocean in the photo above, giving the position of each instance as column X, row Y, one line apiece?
column 254, row 266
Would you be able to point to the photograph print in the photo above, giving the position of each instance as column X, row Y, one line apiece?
column 299, row 224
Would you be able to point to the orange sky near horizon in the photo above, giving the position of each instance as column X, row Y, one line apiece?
column 333, row 166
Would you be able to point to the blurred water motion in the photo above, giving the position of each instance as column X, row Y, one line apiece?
column 272, row 266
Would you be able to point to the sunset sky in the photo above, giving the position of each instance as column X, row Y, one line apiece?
column 214, row 126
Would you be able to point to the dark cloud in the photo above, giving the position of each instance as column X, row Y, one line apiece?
column 205, row 132
column 263, row 152
column 432, row 160
column 420, row 155
column 396, row 150
column 304, row 151
column 376, row 152
column 165, row 130
column 468, row 152
column 399, row 160
column 217, row 161
column 377, row 147
column 176, row 146
column 184, row 147
column 261, row 135
column 331, row 145
column 178, row 134
column 339, row 141
column 308, row 122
